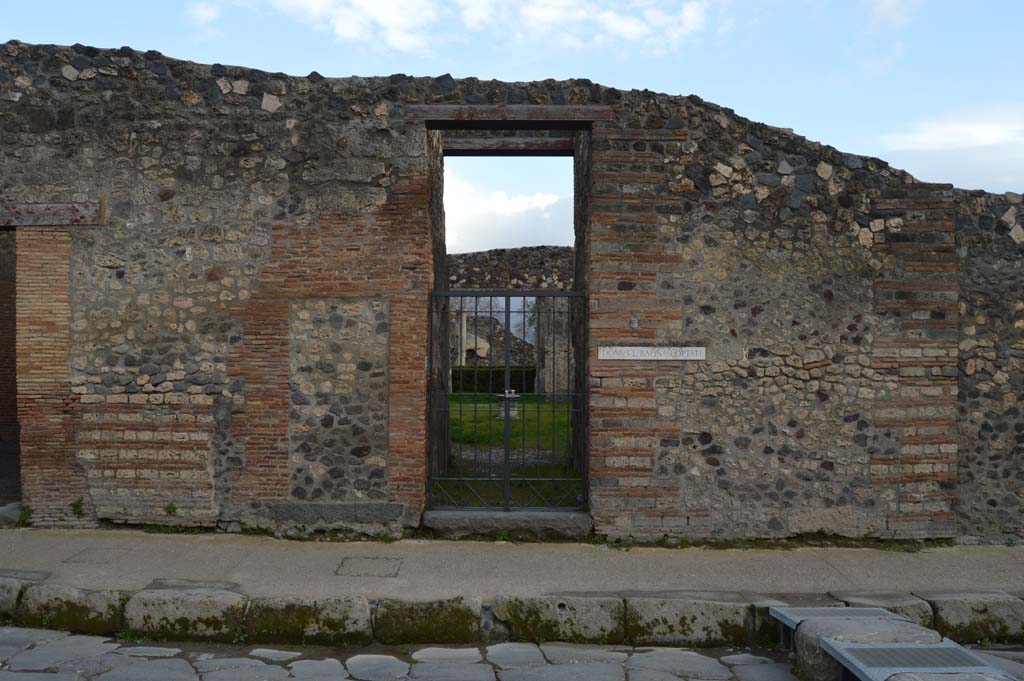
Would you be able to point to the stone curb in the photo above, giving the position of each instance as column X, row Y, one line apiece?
column 683, row 618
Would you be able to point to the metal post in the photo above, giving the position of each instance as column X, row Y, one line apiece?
column 506, row 405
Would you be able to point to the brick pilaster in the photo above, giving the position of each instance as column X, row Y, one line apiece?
column 914, row 225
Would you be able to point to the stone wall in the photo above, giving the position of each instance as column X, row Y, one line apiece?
column 533, row 267
column 990, row 252
column 244, row 338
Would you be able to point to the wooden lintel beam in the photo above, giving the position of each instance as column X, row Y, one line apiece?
column 50, row 214
column 516, row 116
column 508, row 146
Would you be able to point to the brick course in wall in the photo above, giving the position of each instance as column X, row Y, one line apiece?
column 915, row 226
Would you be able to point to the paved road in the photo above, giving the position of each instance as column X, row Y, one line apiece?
column 426, row 570
column 39, row 655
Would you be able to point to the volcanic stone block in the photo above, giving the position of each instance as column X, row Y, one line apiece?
column 56, row 606
column 456, row 620
column 818, row 665
column 190, row 614
column 298, row 621
column 908, row 605
column 688, row 618
column 970, row 617
column 569, row 618
column 10, row 589
column 766, row 629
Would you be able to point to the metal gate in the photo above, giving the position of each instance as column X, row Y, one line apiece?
column 507, row 400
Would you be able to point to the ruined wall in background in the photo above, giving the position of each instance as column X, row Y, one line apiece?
column 990, row 250
column 532, row 267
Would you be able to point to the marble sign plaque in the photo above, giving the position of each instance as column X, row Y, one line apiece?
column 663, row 353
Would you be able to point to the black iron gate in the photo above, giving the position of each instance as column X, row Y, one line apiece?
column 507, row 400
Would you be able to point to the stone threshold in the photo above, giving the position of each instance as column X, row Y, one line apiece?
column 215, row 611
column 457, row 524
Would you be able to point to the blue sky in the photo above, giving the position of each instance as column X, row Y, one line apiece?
column 933, row 86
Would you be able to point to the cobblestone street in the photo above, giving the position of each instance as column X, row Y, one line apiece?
column 42, row 655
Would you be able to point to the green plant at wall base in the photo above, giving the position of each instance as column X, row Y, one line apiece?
column 171, row 509
column 78, row 507
column 501, row 536
column 25, row 516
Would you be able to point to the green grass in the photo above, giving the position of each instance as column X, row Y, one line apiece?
column 479, row 437
column 540, row 424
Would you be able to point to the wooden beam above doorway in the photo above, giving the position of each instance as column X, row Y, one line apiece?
column 507, row 116
column 508, row 146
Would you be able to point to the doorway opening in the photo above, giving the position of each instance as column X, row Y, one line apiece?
column 508, row 402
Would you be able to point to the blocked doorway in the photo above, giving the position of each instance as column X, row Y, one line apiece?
column 508, row 366
column 10, row 470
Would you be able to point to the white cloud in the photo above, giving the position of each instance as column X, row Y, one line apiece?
column 477, row 219
column 478, row 14
column 400, row 24
column 412, row 25
column 998, row 124
column 893, row 12
column 203, row 13
column 979, row 148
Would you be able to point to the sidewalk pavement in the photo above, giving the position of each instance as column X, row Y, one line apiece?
column 431, row 569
